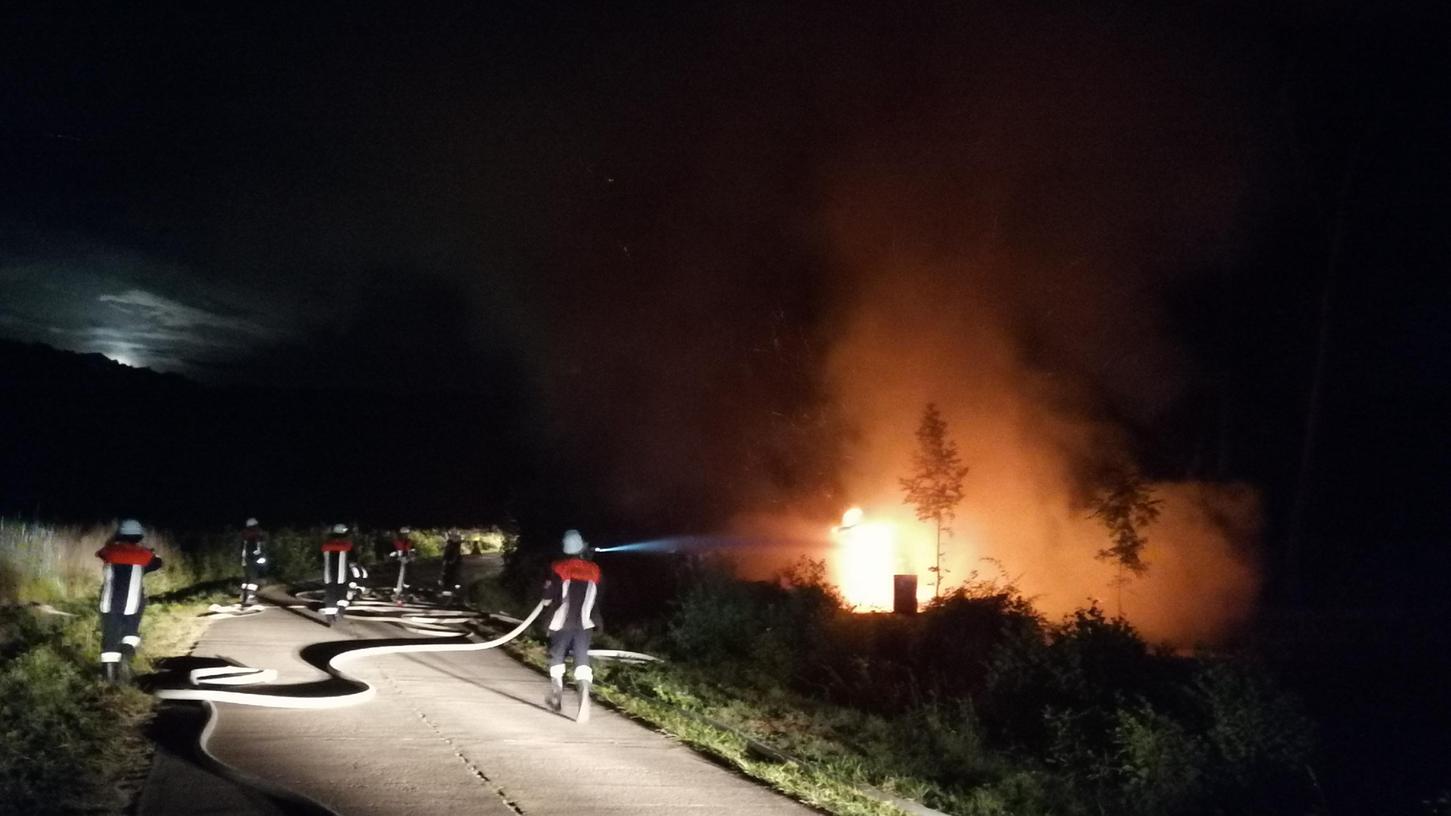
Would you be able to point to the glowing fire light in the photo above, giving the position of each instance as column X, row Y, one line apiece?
column 864, row 561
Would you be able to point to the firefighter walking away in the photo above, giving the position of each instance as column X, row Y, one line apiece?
column 337, row 550
column 453, row 553
column 573, row 591
column 403, row 553
column 254, row 560
column 124, row 563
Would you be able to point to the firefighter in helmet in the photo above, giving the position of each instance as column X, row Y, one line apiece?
column 124, row 563
column 254, row 559
column 403, row 553
column 572, row 592
column 337, row 551
column 453, row 546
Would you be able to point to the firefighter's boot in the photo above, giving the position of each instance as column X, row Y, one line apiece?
column 583, row 715
column 555, row 699
column 112, row 673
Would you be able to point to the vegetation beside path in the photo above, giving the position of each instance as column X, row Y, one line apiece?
column 977, row 707
column 70, row 744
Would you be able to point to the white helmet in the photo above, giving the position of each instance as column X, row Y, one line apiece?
column 340, row 529
column 405, row 530
column 251, row 522
column 130, row 527
column 573, row 542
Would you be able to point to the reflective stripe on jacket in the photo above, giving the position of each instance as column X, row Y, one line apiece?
column 573, row 590
column 125, row 564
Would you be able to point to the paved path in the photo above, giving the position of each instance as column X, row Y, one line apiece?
column 448, row 733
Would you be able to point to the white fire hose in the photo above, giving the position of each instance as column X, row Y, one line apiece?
column 212, row 683
column 361, row 692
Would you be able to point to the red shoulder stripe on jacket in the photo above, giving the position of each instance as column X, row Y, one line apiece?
column 577, row 569
column 130, row 554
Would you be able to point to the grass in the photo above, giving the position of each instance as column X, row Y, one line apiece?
column 70, row 744
column 657, row 698
column 41, row 563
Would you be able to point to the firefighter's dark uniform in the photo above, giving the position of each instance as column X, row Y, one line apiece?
column 452, row 556
column 573, row 593
column 337, row 551
column 403, row 552
column 253, row 559
column 123, row 599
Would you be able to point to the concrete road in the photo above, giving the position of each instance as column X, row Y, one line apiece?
column 447, row 733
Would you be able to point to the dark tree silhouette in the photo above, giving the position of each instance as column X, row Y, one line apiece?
column 1126, row 505
column 935, row 486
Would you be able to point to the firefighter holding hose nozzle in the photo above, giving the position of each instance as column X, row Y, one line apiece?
column 337, row 550
column 254, row 560
column 125, row 562
column 573, row 591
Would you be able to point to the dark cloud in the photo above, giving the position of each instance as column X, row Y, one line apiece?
column 132, row 310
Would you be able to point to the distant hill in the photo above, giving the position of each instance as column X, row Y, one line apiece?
column 85, row 437
column 39, row 367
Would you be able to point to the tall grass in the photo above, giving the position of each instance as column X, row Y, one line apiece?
column 71, row 744
column 49, row 563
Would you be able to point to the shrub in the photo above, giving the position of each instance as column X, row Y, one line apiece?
column 47, row 710
column 770, row 630
column 1158, row 765
column 1259, row 738
column 62, row 734
column 1088, row 664
column 718, row 619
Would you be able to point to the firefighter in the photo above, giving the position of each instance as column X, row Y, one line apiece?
column 123, row 599
column 573, row 591
column 403, row 552
column 357, row 577
column 453, row 546
column 337, row 551
column 254, row 559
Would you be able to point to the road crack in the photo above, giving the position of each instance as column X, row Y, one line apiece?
column 469, row 764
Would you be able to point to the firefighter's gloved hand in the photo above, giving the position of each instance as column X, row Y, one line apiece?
column 261, row 560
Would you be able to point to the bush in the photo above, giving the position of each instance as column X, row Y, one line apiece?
column 1258, row 736
column 770, row 630
column 64, row 737
column 47, row 710
column 984, row 708
column 1088, row 665
column 1158, row 765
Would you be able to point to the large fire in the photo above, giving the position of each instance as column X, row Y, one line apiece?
column 864, row 560
column 1032, row 442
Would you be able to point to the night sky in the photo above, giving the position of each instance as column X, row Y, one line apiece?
column 632, row 231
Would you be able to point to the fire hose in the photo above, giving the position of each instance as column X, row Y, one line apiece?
column 218, row 683
column 212, row 684
column 358, row 691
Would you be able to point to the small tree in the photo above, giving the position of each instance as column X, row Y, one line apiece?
column 935, row 486
column 1126, row 505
